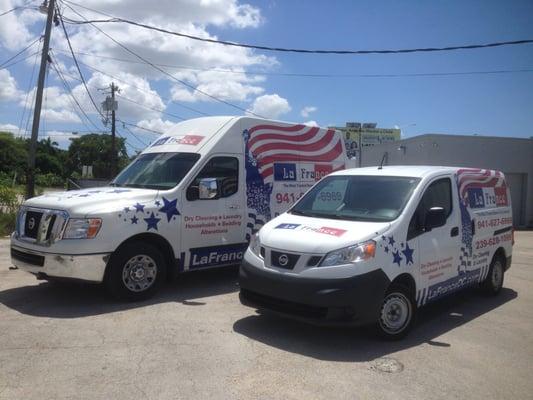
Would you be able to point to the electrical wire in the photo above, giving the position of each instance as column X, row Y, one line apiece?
column 22, row 7
column 312, row 75
column 22, row 51
column 74, row 102
column 141, row 89
column 30, row 83
column 194, row 88
column 141, row 127
column 19, row 60
column 76, row 63
column 135, row 136
column 292, row 50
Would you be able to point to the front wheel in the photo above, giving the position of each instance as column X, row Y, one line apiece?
column 493, row 283
column 397, row 313
column 135, row 272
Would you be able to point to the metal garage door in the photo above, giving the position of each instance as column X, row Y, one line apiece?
column 517, row 184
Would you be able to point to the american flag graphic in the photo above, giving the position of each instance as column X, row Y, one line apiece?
column 268, row 144
column 472, row 178
column 479, row 178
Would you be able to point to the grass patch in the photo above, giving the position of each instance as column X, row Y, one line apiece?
column 7, row 223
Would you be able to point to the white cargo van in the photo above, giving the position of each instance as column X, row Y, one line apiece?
column 189, row 201
column 371, row 245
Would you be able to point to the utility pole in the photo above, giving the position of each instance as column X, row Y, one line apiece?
column 110, row 104
column 113, row 140
column 30, row 179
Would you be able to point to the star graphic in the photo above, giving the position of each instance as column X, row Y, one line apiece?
column 386, row 249
column 139, row 207
column 151, row 223
column 157, row 203
column 169, row 208
column 397, row 258
column 126, row 209
column 383, row 237
column 134, row 220
column 391, row 240
column 408, row 253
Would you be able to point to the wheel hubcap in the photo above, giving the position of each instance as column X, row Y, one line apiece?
column 395, row 313
column 139, row 273
column 497, row 275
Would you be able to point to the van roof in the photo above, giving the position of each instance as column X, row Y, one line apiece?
column 416, row 171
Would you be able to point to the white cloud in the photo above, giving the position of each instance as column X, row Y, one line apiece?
column 270, row 106
column 59, row 116
column 8, row 87
column 306, row 111
column 156, row 124
column 14, row 29
column 9, row 128
column 199, row 60
column 311, row 123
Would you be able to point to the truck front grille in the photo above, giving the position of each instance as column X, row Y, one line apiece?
column 40, row 226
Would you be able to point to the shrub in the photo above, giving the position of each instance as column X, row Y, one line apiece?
column 8, row 200
column 7, row 223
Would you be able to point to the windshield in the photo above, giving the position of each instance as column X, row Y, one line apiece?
column 357, row 198
column 156, row 170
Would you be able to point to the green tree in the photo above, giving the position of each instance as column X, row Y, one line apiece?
column 13, row 154
column 95, row 149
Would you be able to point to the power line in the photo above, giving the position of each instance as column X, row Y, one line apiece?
column 135, row 136
column 30, row 82
column 313, row 75
column 141, row 127
column 141, row 89
column 133, row 101
column 292, row 50
column 19, row 60
column 68, row 89
column 22, row 51
column 23, row 7
column 165, row 72
column 76, row 63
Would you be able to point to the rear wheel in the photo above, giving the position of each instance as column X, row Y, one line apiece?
column 136, row 271
column 493, row 283
column 397, row 313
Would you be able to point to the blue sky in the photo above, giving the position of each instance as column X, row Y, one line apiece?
column 488, row 104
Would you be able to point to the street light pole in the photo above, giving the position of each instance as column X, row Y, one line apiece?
column 30, row 179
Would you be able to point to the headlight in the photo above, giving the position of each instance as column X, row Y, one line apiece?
column 82, row 228
column 255, row 244
column 352, row 254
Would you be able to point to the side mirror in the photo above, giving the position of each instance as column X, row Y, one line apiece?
column 208, row 188
column 435, row 217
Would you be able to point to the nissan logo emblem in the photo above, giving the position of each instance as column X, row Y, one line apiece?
column 283, row 260
column 31, row 223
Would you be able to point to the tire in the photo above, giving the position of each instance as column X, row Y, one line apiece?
column 397, row 313
column 493, row 283
column 135, row 272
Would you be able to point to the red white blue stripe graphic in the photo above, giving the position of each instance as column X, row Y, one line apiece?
column 270, row 144
column 478, row 178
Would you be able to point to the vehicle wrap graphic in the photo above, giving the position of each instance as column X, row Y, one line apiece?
column 158, row 210
column 400, row 252
column 477, row 188
column 211, row 256
column 272, row 153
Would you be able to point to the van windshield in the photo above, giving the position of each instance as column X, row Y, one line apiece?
column 357, row 198
column 156, row 170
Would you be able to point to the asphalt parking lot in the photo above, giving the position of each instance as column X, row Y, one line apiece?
column 195, row 340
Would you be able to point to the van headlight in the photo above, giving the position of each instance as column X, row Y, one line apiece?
column 82, row 228
column 255, row 244
column 351, row 254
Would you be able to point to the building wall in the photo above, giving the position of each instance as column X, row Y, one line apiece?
column 512, row 156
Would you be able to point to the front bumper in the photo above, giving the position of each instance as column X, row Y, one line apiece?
column 85, row 267
column 347, row 301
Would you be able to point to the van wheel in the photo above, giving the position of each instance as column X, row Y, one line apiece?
column 493, row 283
column 135, row 272
column 397, row 313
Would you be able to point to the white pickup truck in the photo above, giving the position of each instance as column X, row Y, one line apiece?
column 191, row 200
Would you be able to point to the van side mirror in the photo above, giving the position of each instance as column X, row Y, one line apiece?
column 208, row 189
column 435, row 217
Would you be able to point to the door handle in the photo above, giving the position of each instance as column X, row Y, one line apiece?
column 234, row 207
column 455, row 231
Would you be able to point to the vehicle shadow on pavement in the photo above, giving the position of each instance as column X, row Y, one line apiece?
column 358, row 344
column 75, row 300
